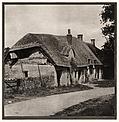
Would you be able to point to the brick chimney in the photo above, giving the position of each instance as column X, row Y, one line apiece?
column 69, row 37
column 93, row 42
column 80, row 37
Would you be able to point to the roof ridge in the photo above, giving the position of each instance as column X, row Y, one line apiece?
column 52, row 46
column 92, row 45
column 92, row 53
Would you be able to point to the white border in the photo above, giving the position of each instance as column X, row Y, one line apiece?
column 1, row 57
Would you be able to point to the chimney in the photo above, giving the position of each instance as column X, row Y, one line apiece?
column 93, row 42
column 69, row 37
column 80, row 37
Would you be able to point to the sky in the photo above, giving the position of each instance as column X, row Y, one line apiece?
column 53, row 19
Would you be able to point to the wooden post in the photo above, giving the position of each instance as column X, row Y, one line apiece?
column 23, row 75
column 70, row 72
column 94, row 71
column 100, row 73
column 76, row 75
column 88, row 72
column 39, row 75
column 21, row 66
column 85, row 74
column 55, row 77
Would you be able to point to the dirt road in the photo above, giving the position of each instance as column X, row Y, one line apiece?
column 45, row 106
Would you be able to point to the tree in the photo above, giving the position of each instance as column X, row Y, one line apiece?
column 108, row 19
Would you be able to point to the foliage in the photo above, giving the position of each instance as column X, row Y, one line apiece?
column 108, row 19
column 108, row 16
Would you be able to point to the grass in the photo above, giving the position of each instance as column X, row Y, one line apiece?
column 105, row 83
column 102, row 106
column 12, row 97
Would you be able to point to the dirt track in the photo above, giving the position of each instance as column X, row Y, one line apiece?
column 45, row 106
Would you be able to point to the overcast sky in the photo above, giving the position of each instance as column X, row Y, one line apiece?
column 52, row 19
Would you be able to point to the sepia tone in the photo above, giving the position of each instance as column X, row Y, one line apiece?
column 58, row 75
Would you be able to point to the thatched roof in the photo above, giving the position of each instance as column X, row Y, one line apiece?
column 98, row 53
column 56, row 48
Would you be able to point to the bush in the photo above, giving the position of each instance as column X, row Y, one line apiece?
column 28, row 84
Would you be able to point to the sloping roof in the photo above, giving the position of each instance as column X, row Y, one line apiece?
column 98, row 53
column 55, row 48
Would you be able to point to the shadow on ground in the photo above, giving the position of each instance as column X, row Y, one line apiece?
column 105, row 83
column 102, row 106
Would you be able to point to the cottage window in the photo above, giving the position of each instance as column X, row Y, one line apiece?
column 25, row 73
column 71, row 54
column 95, row 61
column 89, row 61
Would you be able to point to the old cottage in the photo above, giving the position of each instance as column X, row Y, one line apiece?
column 74, row 60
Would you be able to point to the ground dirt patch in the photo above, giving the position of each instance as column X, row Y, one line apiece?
column 12, row 97
column 102, row 106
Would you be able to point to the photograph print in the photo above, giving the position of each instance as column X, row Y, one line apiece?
column 59, row 60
